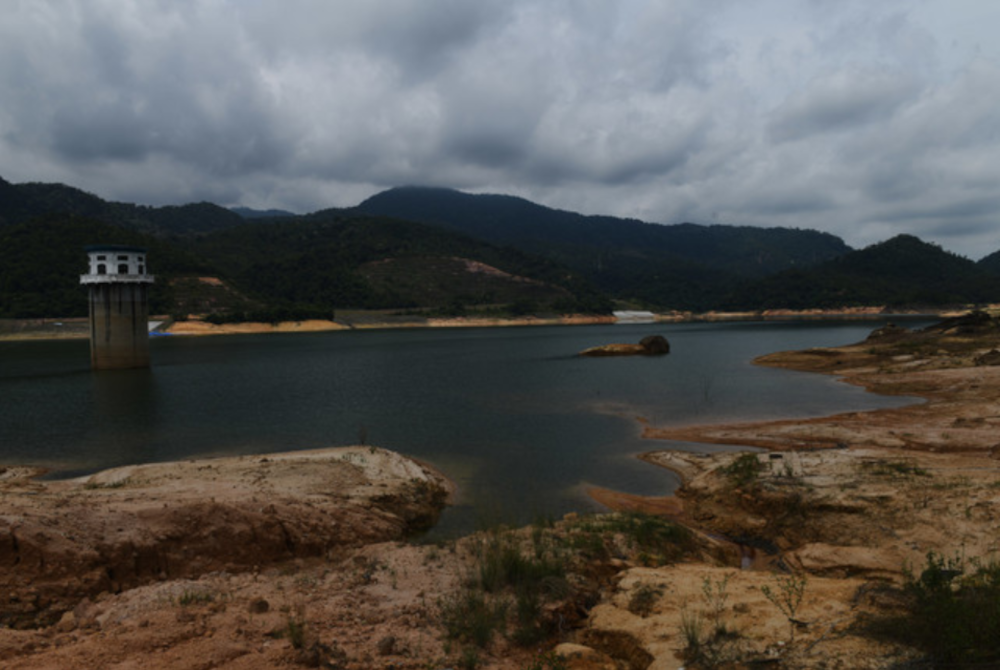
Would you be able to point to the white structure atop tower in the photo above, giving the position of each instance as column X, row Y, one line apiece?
column 116, row 264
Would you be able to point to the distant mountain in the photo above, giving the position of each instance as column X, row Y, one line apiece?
column 452, row 252
column 902, row 271
column 990, row 263
column 248, row 213
column 21, row 202
column 353, row 260
column 510, row 220
column 209, row 258
column 685, row 266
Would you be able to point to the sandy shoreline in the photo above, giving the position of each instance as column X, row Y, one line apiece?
column 77, row 328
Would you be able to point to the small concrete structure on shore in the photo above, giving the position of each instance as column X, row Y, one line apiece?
column 119, row 306
column 634, row 316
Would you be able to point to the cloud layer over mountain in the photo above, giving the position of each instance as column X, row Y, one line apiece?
column 862, row 119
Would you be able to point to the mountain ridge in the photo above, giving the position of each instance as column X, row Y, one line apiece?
column 392, row 251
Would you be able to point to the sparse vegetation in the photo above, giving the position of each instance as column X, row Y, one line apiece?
column 294, row 631
column 116, row 484
column 470, row 617
column 515, row 574
column 720, row 645
column 744, row 471
column 692, row 626
column 899, row 468
column 643, row 599
column 787, row 596
column 195, row 598
column 716, row 593
column 653, row 540
column 548, row 661
column 952, row 612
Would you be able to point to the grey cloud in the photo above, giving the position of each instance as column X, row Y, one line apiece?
column 859, row 118
column 842, row 101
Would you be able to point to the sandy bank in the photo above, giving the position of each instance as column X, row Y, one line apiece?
column 369, row 323
column 76, row 328
column 205, row 328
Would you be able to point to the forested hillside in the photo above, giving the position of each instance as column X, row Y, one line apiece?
column 900, row 272
column 683, row 266
column 327, row 259
column 22, row 202
column 445, row 252
column 270, row 268
column 587, row 241
column 41, row 261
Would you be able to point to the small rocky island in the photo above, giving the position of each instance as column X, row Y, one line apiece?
column 651, row 345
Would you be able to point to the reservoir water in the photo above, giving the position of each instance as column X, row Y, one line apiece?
column 511, row 414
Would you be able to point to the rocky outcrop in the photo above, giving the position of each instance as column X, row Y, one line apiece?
column 651, row 345
column 976, row 322
column 991, row 357
column 889, row 331
column 61, row 542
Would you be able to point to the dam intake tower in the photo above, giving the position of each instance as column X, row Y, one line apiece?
column 119, row 306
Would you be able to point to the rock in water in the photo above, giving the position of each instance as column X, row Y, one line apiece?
column 655, row 345
column 651, row 345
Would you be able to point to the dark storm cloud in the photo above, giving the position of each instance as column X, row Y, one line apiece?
column 863, row 119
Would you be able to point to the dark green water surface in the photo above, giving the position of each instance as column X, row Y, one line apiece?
column 511, row 414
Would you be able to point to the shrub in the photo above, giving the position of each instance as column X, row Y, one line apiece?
column 743, row 471
column 787, row 596
column 295, row 632
column 502, row 564
column 951, row 615
column 643, row 599
column 549, row 660
column 194, row 598
column 470, row 617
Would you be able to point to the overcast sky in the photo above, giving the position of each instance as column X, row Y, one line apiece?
column 865, row 119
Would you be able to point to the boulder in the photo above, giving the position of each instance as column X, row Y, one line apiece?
column 651, row 345
column 655, row 345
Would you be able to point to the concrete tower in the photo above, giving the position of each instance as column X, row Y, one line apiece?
column 119, row 307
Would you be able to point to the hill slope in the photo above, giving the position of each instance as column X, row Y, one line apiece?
column 684, row 266
column 349, row 260
column 41, row 262
column 473, row 252
column 510, row 220
column 22, row 202
column 902, row 271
